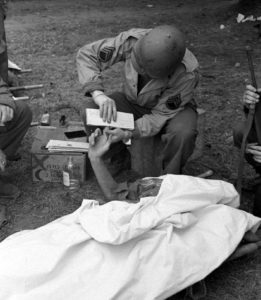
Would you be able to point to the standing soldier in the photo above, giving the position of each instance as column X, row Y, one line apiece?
column 15, row 118
column 160, row 76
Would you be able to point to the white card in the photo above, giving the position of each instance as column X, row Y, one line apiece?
column 124, row 120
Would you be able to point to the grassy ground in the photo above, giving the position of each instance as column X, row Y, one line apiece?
column 45, row 36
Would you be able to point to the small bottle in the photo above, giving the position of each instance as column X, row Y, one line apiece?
column 71, row 177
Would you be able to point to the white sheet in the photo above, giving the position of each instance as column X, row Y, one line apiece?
column 148, row 250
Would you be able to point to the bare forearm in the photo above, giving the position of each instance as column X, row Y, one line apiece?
column 105, row 180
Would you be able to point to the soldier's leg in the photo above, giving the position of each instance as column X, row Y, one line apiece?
column 12, row 134
column 238, row 133
column 179, row 136
column 257, row 201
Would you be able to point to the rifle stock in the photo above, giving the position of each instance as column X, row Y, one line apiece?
column 249, row 123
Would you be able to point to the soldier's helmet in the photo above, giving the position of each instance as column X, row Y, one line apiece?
column 159, row 52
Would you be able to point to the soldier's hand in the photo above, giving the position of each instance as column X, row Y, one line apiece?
column 6, row 114
column 118, row 134
column 108, row 110
column 250, row 96
column 2, row 160
column 255, row 150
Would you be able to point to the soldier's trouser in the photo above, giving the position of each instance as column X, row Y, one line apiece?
column 13, row 132
column 238, row 133
column 178, row 135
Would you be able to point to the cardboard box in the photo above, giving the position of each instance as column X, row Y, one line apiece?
column 48, row 166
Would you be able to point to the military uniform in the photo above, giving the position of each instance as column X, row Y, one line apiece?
column 160, row 106
column 12, row 133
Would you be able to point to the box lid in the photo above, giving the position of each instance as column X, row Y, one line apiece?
column 45, row 133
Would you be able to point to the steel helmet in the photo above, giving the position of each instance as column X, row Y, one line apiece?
column 159, row 52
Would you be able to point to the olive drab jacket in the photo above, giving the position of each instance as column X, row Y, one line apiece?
column 5, row 95
column 165, row 96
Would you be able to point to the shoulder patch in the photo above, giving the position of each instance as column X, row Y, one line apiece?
column 173, row 102
column 106, row 53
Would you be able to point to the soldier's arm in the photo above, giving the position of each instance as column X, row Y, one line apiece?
column 6, row 101
column 98, row 56
column 5, row 95
column 170, row 103
column 7, row 106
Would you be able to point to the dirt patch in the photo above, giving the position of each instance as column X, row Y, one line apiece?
column 45, row 36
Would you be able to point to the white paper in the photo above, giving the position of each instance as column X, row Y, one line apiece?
column 240, row 18
column 12, row 65
column 124, row 120
column 59, row 145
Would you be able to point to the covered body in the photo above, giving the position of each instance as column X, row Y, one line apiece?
column 148, row 250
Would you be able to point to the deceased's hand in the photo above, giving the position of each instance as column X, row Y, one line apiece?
column 99, row 143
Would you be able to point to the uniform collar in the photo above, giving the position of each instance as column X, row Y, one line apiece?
column 155, row 84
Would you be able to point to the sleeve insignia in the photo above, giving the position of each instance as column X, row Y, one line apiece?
column 106, row 53
column 173, row 102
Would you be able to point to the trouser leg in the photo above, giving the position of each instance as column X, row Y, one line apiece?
column 238, row 133
column 257, row 201
column 179, row 136
column 12, row 133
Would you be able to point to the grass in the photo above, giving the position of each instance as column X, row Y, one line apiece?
column 45, row 36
